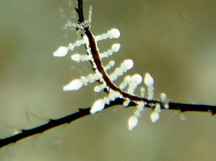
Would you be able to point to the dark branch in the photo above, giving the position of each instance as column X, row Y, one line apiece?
column 86, row 111
column 192, row 107
column 80, row 11
column 40, row 129
column 52, row 123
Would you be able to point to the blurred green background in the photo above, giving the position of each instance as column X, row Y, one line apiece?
column 175, row 41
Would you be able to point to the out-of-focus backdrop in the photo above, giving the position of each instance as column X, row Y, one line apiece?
column 175, row 41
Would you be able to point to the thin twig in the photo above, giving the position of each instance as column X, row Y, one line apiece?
column 86, row 111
